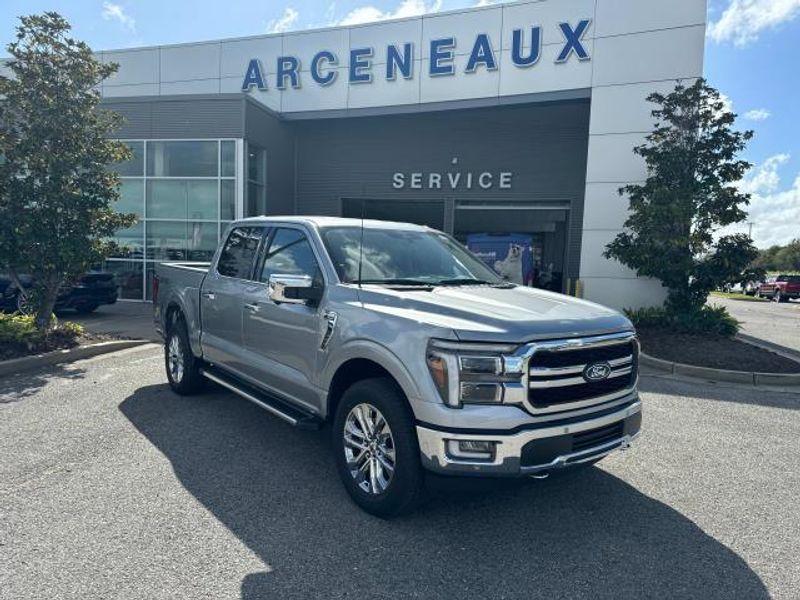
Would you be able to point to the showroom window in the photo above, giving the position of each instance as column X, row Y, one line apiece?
column 256, row 181
column 184, row 194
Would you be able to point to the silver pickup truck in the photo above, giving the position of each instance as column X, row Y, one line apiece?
column 419, row 355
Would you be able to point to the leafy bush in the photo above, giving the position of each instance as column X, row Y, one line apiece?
column 708, row 320
column 20, row 336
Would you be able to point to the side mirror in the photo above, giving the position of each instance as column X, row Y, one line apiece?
column 293, row 289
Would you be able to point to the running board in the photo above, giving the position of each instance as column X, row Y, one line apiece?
column 280, row 408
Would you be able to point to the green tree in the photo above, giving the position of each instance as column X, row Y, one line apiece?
column 689, row 194
column 56, row 191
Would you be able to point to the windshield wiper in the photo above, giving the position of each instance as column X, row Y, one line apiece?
column 395, row 281
column 470, row 281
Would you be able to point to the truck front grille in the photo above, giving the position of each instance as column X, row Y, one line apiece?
column 560, row 376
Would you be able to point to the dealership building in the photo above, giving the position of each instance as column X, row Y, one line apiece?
column 512, row 122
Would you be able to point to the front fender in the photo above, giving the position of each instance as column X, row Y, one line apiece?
column 381, row 355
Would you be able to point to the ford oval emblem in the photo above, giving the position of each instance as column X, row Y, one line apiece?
column 596, row 371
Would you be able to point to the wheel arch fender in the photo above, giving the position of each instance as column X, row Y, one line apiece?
column 364, row 350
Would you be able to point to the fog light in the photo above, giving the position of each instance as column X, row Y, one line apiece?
column 471, row 449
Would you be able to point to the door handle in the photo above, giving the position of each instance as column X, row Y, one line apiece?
column 253, row 307
column 209, row 295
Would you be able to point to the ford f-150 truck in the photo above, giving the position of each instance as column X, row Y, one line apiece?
column 418, row 354
column 780, row 288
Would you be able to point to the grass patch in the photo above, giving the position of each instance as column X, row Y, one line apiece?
column 19, row 336
column 737, row 296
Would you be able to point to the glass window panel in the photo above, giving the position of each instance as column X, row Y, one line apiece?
column 228, row 152
column 237, row 256
column 131, row 197
column 201, row 241
column 149, row 272
column 202, row 200
column 182, row 159
column 227, row 206
column 166, row 240
column 135, row 166
column 166, row 199
column 130, row 242
column 289, row 254
column 128, row 277
column 182, row 199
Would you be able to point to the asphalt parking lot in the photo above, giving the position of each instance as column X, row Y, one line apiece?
column 773, row 322
column 113, row 487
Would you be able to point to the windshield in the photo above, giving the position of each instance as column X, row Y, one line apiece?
column 404, row 257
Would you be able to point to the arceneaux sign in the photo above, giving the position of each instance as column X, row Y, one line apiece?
column 399, row 59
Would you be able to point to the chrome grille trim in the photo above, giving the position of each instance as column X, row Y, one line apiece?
column 521, row 360
column 553, row 383
column 555, row 371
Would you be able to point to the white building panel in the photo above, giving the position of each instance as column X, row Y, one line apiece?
column 624, row 293
column 593, row 244
column 197, row 86
column 546, row 75
column 141, row 89
column 306, row 44
column 611, row 158
column 271, row 99
column 459, row 86
column 135, row 66
column 548, row 14
column 192, row 61
column 603, row 207
column 316, row 97
column 654, row 56
column 464, row 27
column 624, row 108
column 236, row 54
column 386, row 93
column 381, row 35
column 620, row 17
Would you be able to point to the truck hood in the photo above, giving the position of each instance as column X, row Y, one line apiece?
column 483, row 313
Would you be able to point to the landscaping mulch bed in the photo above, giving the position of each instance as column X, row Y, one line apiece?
column 57, row 340
column 715, row 352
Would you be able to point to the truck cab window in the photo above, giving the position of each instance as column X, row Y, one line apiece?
column 236, row 258
column 289, row 253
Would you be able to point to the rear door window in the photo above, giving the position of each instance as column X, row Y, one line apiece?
column 236, row 258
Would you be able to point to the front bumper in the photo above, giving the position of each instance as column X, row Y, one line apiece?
column 537, row 450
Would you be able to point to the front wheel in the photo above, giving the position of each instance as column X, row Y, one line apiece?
column 183, row 367
column 376, row 449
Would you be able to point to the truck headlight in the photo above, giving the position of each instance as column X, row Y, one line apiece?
column 465, row 373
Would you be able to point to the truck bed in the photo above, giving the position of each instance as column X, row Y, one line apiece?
column 179, row 283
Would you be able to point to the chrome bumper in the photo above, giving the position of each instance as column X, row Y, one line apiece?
column 507, row 459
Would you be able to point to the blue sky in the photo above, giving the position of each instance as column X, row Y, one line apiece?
column 751, row 56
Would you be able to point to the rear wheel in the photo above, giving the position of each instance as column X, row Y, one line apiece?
column 376, row 450
column 183, row 367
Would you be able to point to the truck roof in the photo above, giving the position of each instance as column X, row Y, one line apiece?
column 320, row 222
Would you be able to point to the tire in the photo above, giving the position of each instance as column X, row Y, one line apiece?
column 85, row 309
column 781, row 298
column 383, row 492
column 23, row 305
column 182, row 366
column 776, row 297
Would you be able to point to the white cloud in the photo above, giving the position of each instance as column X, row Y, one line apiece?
column 774, row 212
column 286, row 21
column 743, row 20
column 757, row 114
column 407, row 8
column 115, row 12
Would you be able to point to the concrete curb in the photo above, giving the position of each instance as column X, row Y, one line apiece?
column 28, row 363
column 746, row 377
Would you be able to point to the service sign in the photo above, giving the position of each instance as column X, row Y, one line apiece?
column 397, row 59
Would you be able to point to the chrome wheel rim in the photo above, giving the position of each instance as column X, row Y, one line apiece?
column 369, row 448
column 175, row 359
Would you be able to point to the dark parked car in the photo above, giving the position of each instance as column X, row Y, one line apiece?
column 90, row 291
column 780, row 288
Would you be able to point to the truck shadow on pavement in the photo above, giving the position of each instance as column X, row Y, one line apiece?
column 587, row 534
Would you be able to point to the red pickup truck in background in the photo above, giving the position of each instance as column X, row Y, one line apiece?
column 780, row 288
